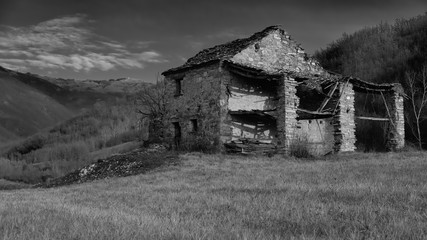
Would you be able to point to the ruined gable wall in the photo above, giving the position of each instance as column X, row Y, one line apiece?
column 276, row 52
column 200, row 99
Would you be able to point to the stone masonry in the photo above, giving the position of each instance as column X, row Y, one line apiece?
column 287, row 113
column 344, row 125
column 397, row 131
column 199, row 100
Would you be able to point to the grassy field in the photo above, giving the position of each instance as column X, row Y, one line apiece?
column 355, row 196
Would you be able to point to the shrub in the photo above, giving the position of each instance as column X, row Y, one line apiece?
column 198, row 143
column 299, row 148
column 22, row 171
column 38, row 172
column 30, row 144
column 62, row 151
column 127, row 136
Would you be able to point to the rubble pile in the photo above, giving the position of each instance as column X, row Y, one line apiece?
column 132, row 163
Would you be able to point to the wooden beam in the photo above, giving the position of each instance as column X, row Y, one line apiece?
column 252, row 73
column 304, row 114
column 372, row 87
column 313, row 112
column 373, row 118
column 329, row 96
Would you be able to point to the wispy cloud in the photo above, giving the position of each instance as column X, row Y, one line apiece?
column 69, row 43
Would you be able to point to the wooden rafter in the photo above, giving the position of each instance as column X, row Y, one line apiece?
column 307, row 114
column 328, row 97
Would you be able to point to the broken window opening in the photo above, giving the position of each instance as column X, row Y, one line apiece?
column 178, row 87
column 194, row 125
column 177, row 135
column 256, row 47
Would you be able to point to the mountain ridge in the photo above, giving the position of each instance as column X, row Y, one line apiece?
column 30, row 103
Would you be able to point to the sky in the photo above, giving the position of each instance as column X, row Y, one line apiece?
column 109, row 39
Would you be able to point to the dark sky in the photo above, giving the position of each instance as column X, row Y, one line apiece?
column 104, row 39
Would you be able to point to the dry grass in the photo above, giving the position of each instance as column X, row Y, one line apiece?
column 9, row 185
column 356, row 196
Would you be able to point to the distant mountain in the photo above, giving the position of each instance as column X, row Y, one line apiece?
column 120, row 85
column 78, row 94
column 29, row 102
column 25, row 110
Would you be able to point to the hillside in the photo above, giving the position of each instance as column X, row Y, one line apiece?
column 97, row 133
column 25, row 110
column 382, row 53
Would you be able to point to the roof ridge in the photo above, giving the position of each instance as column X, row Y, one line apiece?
column 225, row 50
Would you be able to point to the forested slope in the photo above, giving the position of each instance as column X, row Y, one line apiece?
column 382, row 53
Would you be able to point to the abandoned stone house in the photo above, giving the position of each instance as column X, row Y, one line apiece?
column 263, row 93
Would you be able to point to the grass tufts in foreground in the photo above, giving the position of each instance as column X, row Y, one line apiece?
column 355, row 196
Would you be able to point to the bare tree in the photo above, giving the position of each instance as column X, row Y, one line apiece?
column 417, row 96
column 151, row 104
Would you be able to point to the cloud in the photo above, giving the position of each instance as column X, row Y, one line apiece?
column 150, row 56
column 69, row 43
column 15, row 53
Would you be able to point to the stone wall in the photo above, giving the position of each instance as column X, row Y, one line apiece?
column 396, row 138
column 317, row 134
column 200, row 99
column 277, row 52
column 225, row 130
column 287, row 113
column 343, row 121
